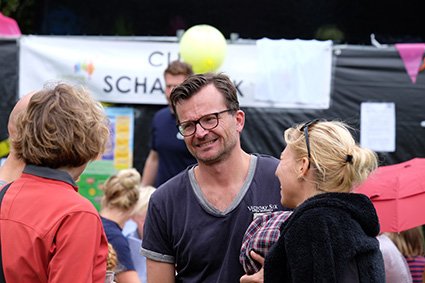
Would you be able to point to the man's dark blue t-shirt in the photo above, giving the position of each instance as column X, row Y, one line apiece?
column 182, row 228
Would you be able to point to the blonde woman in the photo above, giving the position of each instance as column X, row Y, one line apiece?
column 331, row 234
column 121, row 193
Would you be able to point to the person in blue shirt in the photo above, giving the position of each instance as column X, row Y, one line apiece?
column 168, row 155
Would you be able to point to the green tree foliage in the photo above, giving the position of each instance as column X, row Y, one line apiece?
column 8, row 7
column 22, row 11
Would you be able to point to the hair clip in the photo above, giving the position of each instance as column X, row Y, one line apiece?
column 349, row 158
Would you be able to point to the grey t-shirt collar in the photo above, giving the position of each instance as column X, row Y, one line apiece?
column 211, row 209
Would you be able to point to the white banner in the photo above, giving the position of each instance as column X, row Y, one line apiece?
column 131, row 71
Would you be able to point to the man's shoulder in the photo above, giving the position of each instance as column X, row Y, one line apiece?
column 174, row 185
column 264, row 156
column 164, row 118
column 163, row 112
column 266, row 161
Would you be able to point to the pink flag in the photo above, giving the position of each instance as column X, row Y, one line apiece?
column 411, row 54
column 8, row 26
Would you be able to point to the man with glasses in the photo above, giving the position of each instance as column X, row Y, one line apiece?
column 196, row 221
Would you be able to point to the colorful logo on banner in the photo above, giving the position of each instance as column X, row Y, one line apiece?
column 84, row 67
column 412, row 56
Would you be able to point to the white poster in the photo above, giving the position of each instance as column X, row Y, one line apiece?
column 298, row 71
column 130, row 70
column 377, row 126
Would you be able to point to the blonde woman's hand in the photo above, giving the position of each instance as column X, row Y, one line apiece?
column 256, row 277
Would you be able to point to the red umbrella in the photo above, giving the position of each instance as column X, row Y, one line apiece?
column 398, row 194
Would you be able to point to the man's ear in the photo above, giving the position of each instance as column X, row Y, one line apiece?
column 240, row 120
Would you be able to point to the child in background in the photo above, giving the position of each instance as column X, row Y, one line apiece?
column 396, row 267
column 411, row 245
column 134, row 230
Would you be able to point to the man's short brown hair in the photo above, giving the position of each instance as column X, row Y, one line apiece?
column 177, row 68
column 195, row 83
column 63, row 126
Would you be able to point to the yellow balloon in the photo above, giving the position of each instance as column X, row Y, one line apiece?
column 204, row 47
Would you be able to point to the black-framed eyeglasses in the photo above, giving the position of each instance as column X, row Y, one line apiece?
column 207, row 122
column 304, row 129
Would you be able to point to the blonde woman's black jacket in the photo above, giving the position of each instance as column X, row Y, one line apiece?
column 331, row 237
